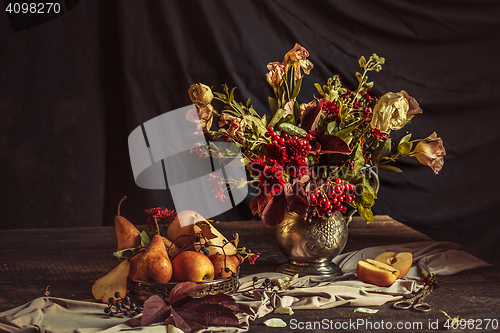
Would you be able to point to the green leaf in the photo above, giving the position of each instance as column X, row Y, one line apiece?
column 359, row 77
column 366, row 214
column 367, row 186
column 364, row 204
column 125, row 253
column 346, row 131
column 231, row 95
column 296, row 88
column 292, row 130
column 406, row 138
column 405, row 147
column 237, row 107
column 256, row 122
column 277, row 117
column 273, row 105
column 146, row 237
column 381, row 151
column 288, row 119
column 320, row 90
column 331, row 127
column 362, row 62
column 388, row 168
column 296, row 111
column 359, row 160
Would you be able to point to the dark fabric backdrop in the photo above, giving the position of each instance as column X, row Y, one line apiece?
column 72, row 90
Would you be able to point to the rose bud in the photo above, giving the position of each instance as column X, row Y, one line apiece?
column 431, row 152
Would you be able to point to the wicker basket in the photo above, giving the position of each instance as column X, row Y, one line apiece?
column 143, row 290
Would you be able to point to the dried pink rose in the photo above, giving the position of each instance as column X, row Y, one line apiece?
column 298, row 57
column 277, row 71
column 414, row 106
column 431, row 152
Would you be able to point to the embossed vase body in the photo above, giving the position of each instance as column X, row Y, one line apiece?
column 311, row 246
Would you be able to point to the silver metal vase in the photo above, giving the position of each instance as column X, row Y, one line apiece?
column 311, row 246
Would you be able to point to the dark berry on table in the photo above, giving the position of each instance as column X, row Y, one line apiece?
column 255, row 279
column 107, row 310
column 117, row 294
column 227, row 270
column 111, row 300
column 267, row 281
column 234, row 275
column 220, row 274
column 111, row 314
column 132, row 306
column 126, row 313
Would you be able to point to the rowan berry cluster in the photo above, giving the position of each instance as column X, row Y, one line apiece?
column 330, row 197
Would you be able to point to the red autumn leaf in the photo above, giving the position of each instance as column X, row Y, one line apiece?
column 154, row 311
column 332, row 144
column 316, row 148
column 275, row 211
column 182, row 290
column 189, row 322
column 310, row 114
column 206, row 229
column 296, row 200
column 258, row 203
column 219, row 298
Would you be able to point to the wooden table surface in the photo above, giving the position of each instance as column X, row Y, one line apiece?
column 68, row 261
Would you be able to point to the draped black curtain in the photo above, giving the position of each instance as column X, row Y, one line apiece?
column 72, row 90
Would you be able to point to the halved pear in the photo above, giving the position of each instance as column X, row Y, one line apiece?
column 402, row 261
column 377, row 273
column 114, row 281
column 189, row 222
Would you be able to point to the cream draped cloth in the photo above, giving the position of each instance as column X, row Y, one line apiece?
column 56, row 315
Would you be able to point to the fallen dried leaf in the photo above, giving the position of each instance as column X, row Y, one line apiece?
column 366, row 310
column 154, row 311
column 275, row 322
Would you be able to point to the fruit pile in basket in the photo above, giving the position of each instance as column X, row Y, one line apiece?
column 192, row 250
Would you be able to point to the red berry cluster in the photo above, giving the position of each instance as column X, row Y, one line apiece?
column 289, row 151
column 329, row 197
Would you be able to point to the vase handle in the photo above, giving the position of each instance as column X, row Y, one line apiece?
column 376, row 186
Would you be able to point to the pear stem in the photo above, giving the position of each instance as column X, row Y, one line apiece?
column 120, row 203
column 157, row 228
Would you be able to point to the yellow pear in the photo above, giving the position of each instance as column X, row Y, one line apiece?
column 114, row 281
column 154, row 265
column 172, row 249
column 377, row 273
column 127, row 235
column 186, row 229
column 402, row 261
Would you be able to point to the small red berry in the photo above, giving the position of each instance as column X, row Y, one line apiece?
column 309, row 137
